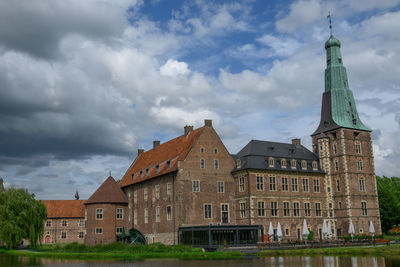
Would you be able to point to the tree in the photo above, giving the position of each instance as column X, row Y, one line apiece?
column 389, row 202
column 21, row 216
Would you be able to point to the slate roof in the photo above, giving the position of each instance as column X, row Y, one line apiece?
column 108, row 192
column 256, row 153
column 65, row 208
column 171, row 151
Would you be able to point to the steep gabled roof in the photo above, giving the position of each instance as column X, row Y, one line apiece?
column 65, row 208
column 108, row 192
column 171, row 151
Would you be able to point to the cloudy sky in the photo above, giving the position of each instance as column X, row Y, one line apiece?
column 83, row 84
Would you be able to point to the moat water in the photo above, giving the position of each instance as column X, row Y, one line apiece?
column 295, row 261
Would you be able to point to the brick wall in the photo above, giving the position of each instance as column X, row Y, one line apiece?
column 64, row 230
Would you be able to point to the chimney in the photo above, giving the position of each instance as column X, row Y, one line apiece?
column 296, row 142
column 208, row 123
column 156, row 143
column 139, row 151
column 187, row 129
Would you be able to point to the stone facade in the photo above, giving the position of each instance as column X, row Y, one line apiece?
column 64, row 230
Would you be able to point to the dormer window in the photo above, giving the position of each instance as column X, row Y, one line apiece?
column 147, row 172
column 293, row 164
column 314, row 165
column 238, row 163
column 168, row 164
column 133, row 176
column 271, row 162
column 283, row 163
column 141, row 173
column 157, row 168
column 304, row 165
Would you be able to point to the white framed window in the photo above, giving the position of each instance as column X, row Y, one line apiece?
column 63, row 235
column 225, row 213
column 338, row 185
column 99, row 214
column 118, row 230
column 286, row 209
column 220, row 187
column 285, row 184
column 145, row 194
column 158, row 214
column 146, row 215
column 305, row 185
column 207, row 211
column 304, row 165
column 272, row 183
column 241, row 184
column 201, row 149
column 296, row 209
column 48, row 223
column 274, row 208
column 316, row 185
column 295, row 184
column 157, row 191
column 238, row 163
column 169, row 213
column 315, row 165
column 261, row 208
column 169, row 188
column 81, row 223
column 283, row 163
column 358, row 147
column 120, row 213
column 64, row 223
column 360, row 165
column 242, row 206
column 340, row 205
column 202, row 164
column 293, row 163
column 307, row 209
column 99, row 231
column 364, row 211
column 195, row 186
column 260, row 182
column 135, row 216
column 216, row 164
column 361, row 182
column 318, row 209
column 81, row 235
column 271, row 162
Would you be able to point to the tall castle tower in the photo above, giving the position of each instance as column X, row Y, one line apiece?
column 344, row 146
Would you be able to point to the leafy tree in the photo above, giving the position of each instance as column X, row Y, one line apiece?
column 21, row 216
column 389, row 201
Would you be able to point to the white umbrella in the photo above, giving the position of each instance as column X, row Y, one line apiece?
column 324, row 229
column 351, row 230
column 270, row 230
column 305, row 230
column 329, row 229
column 279, row 231
column 371, row 228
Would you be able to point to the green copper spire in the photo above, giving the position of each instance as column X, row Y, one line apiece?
column 338, row 105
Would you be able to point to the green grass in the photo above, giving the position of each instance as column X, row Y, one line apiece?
column 392, row 250
column 119, row 251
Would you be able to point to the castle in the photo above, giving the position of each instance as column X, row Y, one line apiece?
column 191, row 190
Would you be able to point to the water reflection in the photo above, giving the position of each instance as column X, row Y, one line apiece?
column 299, row 261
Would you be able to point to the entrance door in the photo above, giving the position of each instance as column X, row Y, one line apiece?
column 47, row 239
column 225, row 213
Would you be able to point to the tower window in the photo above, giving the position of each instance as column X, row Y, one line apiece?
column 340, row 60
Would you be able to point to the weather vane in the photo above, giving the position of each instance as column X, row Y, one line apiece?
column 330, row 21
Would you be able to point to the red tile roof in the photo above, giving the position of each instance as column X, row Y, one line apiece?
column 172, row 151
column 65, row 208
column 108, row 192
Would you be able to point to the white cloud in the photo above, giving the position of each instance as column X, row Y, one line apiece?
column 280, row 46
column 172, row 68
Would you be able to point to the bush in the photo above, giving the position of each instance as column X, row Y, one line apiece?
column 310, row 236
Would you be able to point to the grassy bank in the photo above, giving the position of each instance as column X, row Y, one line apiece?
column 118, row 251
column 392, row 250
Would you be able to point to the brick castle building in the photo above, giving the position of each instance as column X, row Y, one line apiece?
column 172, row 191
